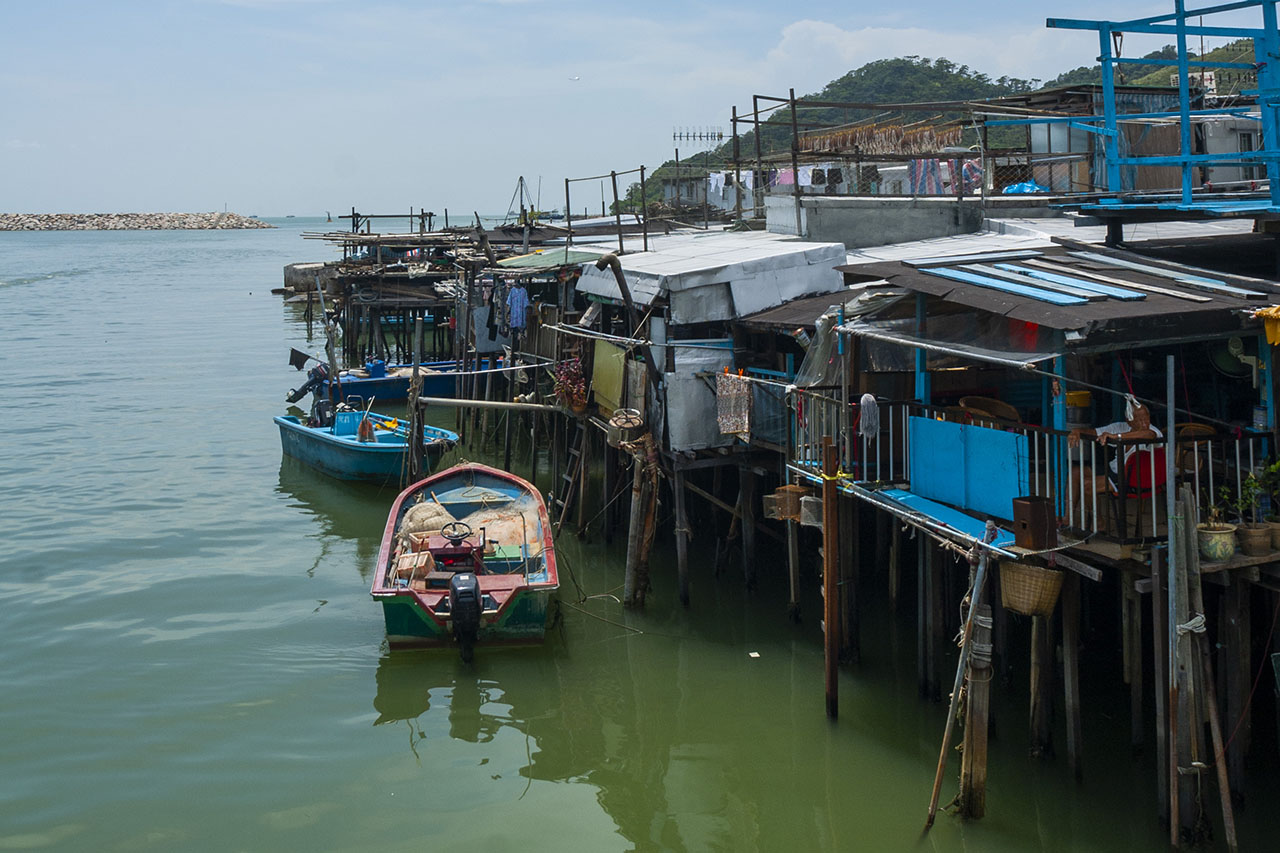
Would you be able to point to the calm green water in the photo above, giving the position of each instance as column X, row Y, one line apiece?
column 191, row 659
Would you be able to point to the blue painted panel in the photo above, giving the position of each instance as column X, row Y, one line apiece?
column 969, row 467
column 996, row 470
column 937, row 460
column 1096, row 287
column 955, row 519
column 1006, row 286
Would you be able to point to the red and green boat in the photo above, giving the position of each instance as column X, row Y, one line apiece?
column 466, row 559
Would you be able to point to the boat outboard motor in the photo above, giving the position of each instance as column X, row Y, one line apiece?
column 465, row 607
column 321, row 413
column 316, row 376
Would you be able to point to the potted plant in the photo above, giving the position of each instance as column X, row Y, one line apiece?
column 1270, row 478
column 1216, row 538
column 1254, row 536
column 570, row 386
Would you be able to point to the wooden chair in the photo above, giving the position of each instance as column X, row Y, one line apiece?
column 993, row 407
column 1193, row 456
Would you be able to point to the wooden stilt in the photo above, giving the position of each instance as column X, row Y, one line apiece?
column 1160, row 681
column 793, row 570
column 830, row 548
column 507, row 418
column 609, row 486
column 850, row 553
column 534, row 418
column 747, row 506
column 682, row 537
column 938, row 638
column 895, row 561
column 1236, row 659
column 1041, row 686
column 922, row 615
column 1071, row 670
column 973, row 760
column 630, row 594
column 1131, row 608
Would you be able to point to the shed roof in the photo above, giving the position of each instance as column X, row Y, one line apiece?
column 722, row 275
column 1181, row 302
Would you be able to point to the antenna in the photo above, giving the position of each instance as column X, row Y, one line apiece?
column 701, row 137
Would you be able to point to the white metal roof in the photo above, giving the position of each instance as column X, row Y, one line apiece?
column 719, row 275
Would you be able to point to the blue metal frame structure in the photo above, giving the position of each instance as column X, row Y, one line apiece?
column 1266, row 41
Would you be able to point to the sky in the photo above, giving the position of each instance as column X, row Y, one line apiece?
column 276, row 107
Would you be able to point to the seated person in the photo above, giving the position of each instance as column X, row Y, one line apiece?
column 1137, row 424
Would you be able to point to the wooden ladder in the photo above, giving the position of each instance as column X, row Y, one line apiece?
column 574, row 472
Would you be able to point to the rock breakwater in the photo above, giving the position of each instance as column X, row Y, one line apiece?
column 125, row 221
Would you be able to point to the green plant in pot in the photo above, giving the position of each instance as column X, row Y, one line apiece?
column 1253, row 535
column 1270, row 478
column 1216, row 537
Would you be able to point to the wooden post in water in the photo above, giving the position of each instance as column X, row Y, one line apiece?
column 1236, row 661
column 682, row 537
column 747, row 507
column 895, row 562
column 1160, row 680
column 1071, row 670
column 849, row 553
column 632, row 596
column 416, row 419
column 973, row 758
column 1041, row 686
column 830, row 550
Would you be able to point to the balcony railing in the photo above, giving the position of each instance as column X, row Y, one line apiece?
column 1113, row 488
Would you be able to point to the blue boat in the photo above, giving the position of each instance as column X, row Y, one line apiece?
column 390, row 382
column 360, row 445
column 466, row 558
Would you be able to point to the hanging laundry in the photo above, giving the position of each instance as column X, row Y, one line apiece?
column 818, row 175
column 733, row 405
column 518, row 306
column 748, row 180
column 804, row 177
column 834, row 176
column 715, row 183
column 786, row 178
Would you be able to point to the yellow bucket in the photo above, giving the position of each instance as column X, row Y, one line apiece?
column 1079, row 398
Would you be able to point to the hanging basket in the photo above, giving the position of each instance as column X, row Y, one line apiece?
column 1031, row 590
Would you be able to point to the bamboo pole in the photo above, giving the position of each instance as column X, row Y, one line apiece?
column 1196, row 599
column 975, row 599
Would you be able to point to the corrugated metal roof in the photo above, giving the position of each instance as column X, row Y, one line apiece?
column 551, row 259
column 1118, row 318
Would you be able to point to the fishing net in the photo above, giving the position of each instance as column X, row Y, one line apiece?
column 424, row 517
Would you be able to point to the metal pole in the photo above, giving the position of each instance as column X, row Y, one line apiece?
column 795, row 165
column 644, row 211
column 617, row 210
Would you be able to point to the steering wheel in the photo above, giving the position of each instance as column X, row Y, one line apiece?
column 455, row 531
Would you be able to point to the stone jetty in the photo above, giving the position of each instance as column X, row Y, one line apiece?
column 125, row 221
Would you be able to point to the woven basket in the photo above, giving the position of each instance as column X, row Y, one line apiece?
column 1029, row 589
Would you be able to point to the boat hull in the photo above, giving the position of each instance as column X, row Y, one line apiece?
column 342, row 457
column 519, row 577
column 411, row 623
column 440, row 382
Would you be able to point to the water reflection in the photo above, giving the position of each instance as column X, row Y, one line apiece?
column 352, row 511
